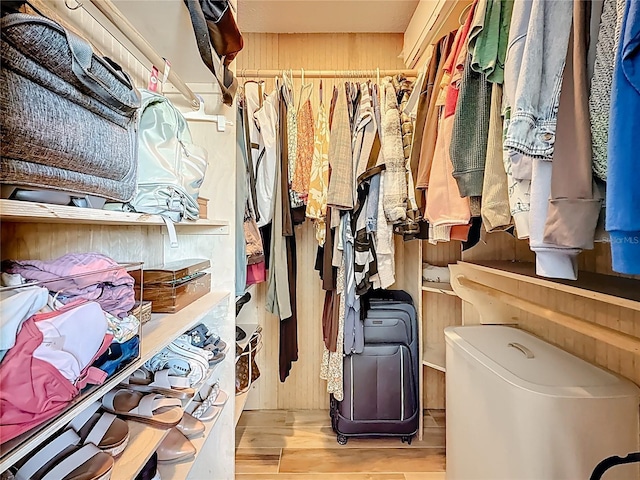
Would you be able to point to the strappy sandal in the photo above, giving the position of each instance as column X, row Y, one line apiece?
column 161, row 382
column 152, row 409
column 106, row 431
column 64, row 459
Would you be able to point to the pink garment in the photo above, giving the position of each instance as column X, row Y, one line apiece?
column 33, row 391
column 256, row 273
column 112, row 289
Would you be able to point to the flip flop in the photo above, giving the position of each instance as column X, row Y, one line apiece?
column 163, row 382
column 152, row 409
column 64, row 459
column 106, row 431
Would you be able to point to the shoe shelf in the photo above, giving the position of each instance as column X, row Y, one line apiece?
column 143, row 441
column 180, row 471
column 210, row 373
column 156, row 334
column 241, row 401
column 19, row 211
column 436, row 287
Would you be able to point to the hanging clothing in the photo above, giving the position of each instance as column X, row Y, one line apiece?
column 600, row 96
column 278, row 301
column 490, row 47
column 252, row 101
column 341, row 181
column 265, row 168
column 431, row 125
column 305, row 147
column 353, row 326
column 495, row 212
column 395, row 191
column 574, row 206
column 331, row 368
column 292, row 139
column 384, row 244
column 519, row 191
column 319, row 177
column 469, row 136
column 623, row 194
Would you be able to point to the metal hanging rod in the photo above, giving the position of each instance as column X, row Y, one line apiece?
column 325, row 73
column 109, row 10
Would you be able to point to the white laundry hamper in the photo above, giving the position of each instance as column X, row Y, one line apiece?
column 519, row 408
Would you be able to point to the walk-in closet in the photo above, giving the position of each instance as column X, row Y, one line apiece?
column 314, row 240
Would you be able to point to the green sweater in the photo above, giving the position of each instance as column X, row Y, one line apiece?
column 490, row 47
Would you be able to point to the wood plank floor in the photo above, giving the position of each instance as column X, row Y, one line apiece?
column 300, row 445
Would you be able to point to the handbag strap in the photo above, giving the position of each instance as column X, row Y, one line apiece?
column 226, row 80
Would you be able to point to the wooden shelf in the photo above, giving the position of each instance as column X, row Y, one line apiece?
column 143, row 441
column 619, row 291
column 18, row 211
column 163, row 328
column 249, row 329
column 434, row 356
column 156, row 334
column 437, row 287
column 180, row 471
column 241, row 401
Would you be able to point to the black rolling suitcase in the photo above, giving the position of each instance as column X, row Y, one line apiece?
column 381, row 383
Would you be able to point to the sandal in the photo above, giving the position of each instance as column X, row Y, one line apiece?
column 64, row 459
column 106, row 431
column 190, row 426
column 203, row 412
column 152, row 409
column 175, row 448
column 161, row 382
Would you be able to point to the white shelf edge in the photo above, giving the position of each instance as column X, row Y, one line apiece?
column 19, row 211
column 180, row 471
column 241, row 401
column 434, row 356
column 165, row 333
column 250, row 329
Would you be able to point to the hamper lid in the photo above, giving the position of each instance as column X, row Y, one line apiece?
column 531, row 363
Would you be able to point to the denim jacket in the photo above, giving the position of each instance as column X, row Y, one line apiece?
column 536, row 53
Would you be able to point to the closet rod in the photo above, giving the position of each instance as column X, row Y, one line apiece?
column 607, row 335
column 109, row 10
column 326, row 73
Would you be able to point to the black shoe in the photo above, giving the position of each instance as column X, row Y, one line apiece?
column 240, row 302
column 240, row 334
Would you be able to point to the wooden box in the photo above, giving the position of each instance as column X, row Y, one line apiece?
column 175, row 285
column 202, row 204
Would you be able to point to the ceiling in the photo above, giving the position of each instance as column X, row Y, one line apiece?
column 317, row 16
column 175, row 40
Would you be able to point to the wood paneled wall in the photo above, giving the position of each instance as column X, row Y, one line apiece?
column 304, row 389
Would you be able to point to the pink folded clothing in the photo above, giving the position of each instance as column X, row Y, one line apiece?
column 91, row 279
column 49, row 365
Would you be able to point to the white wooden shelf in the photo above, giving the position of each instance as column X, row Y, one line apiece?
column 250, row 329
column 438, row 287
column 163, row 328
column 156, row 334
column 143, row 441
column 434, row 356
column 180, row 471
column 18, row 211
column 619, row 291
column 241, row 401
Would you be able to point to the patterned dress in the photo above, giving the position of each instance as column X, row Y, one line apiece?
column 319, row 176
column 305, row 147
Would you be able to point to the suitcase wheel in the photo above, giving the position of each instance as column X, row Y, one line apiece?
column 407, row 440
column 342, row 440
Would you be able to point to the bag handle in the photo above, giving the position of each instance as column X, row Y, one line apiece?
column 81, row 55
column 228, row 83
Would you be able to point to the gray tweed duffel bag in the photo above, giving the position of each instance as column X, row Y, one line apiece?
column 67, row 117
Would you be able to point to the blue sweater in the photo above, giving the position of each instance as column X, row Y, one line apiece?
column 623, row 190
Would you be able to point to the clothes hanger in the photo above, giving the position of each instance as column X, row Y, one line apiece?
column 305, row 89
column 463, row 15
column 201, row 116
